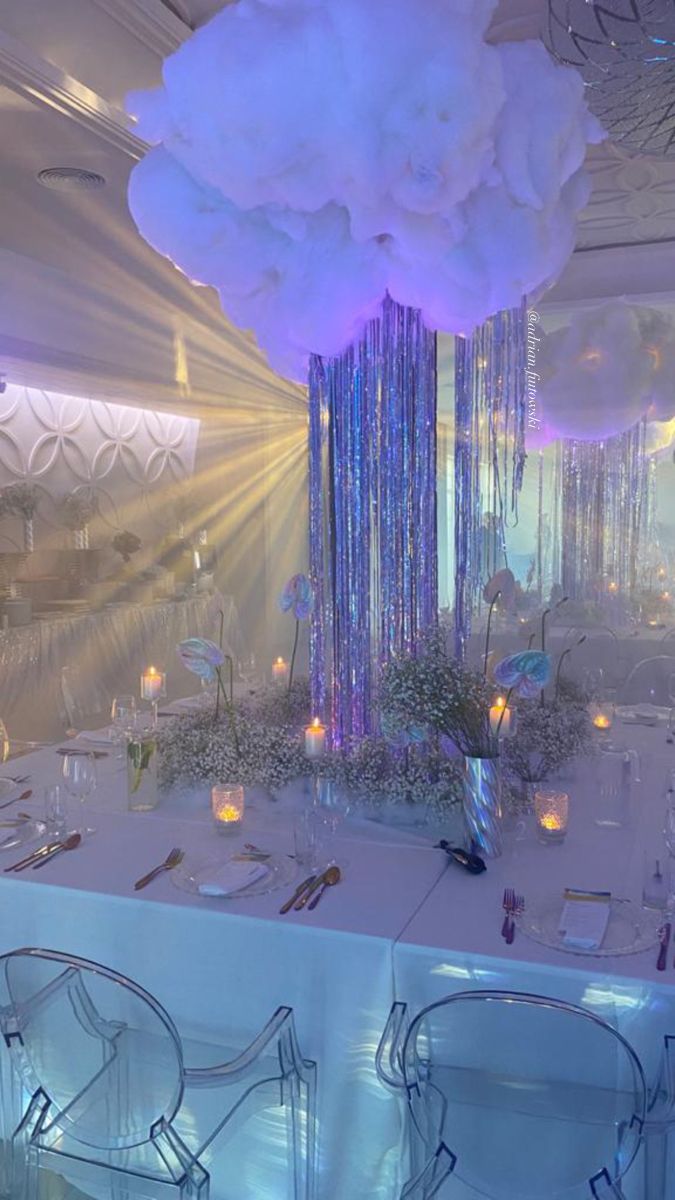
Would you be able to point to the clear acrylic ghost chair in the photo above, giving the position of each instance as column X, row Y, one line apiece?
column 600, row 651
column 109, row 1105
column 652, row 681
column 80, row 703
column 514, row 1095
column 659, row 1124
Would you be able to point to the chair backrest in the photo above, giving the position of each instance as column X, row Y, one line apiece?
column 533, row 1096
column 103, row 1050
column 81, row 699
column 652, row 681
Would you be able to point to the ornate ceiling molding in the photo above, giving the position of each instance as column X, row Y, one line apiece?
column 155, row 25
column 43, row 83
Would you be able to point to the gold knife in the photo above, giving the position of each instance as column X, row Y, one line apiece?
column 297, row 893
column 37, row 854
column 307, row 895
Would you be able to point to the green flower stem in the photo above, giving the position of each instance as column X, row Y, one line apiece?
column 229, row 709
column 494, row 600
column 295, row 650
column 563, row 656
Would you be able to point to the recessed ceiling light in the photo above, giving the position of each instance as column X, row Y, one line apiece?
column 70, row 178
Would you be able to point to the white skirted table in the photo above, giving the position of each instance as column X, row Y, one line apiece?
column 401, row 925
column 108, row 649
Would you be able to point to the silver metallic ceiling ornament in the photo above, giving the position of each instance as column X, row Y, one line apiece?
column 625, row 51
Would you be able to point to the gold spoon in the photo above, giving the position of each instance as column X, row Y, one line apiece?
column 330, row 878
column 70, row 844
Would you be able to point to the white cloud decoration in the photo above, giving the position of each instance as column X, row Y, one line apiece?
column 310, row 155
column 601, row 373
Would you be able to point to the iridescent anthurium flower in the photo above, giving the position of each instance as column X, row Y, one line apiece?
column 202, row 657
column 526, row 672
column 298, row 597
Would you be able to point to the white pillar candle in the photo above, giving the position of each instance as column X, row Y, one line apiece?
column 153, row 684
column 315, row 739
column 498, row 709
column 280, row 671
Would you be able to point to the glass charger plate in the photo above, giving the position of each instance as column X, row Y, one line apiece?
column 27, row 831
column 281, row 871
column 629, row 930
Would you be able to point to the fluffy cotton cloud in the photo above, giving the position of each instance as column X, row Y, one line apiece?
column 605, row 370
column 311, row 155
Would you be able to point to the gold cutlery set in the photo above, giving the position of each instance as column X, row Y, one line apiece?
column 310, row 891
column 45, row 854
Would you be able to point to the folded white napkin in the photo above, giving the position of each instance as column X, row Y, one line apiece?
column 231, row 877
column 584, row 918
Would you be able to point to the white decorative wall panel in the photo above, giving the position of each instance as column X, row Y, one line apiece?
column 132, row 458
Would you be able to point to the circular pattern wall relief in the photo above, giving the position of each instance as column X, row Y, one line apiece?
column 65, row 442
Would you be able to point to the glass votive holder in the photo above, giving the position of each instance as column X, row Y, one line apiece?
column 227, row 806
column 551, row 812
column 602, row 715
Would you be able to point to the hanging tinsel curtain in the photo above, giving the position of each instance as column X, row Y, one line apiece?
column 490, row 423
column 373, row 547
column 607, row 513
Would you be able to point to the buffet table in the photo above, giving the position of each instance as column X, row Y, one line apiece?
column 108, row 649
column 401, row 925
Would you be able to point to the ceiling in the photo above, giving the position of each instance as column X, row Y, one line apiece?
column 86, row 305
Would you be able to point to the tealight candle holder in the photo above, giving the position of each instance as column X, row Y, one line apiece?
column 227, row 806
column 602, row 716
column 551, row 811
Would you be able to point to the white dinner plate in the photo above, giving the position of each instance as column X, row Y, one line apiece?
column 630, row 928
column 27, row 831
column 195, row 871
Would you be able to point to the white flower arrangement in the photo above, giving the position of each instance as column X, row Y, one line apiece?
column 433, row 693
column 199, row 748
column 547, row 737
column 378, row 775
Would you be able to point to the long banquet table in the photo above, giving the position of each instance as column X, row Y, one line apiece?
column 109, row 649
column 402, row 925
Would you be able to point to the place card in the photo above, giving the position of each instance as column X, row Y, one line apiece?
column 584, row 918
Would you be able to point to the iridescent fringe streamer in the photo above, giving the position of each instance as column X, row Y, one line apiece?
column 606, row 513
column 490, row 423
column 373, row 541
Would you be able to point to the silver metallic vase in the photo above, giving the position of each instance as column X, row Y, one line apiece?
column 483, row 804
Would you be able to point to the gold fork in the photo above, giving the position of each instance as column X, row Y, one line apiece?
column 172, row 860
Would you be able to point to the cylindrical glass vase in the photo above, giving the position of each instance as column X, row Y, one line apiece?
column 483, row 804
column 142, row 773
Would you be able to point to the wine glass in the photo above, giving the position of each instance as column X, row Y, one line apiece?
column 79, row 776
column 593, row 682
column 123, row 715
column 247, row 668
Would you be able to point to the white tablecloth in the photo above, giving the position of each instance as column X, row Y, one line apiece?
column 401, row 925
column 108, row 649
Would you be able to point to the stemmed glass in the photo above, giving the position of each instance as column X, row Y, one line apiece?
column 123, row 716
column 79, row 776
column 248, row 669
